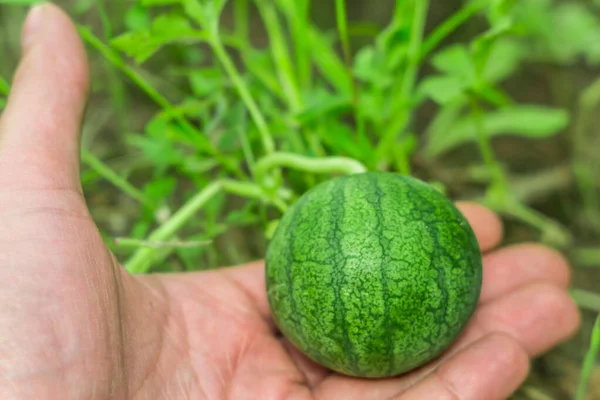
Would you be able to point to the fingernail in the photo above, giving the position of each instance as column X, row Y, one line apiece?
column 33, row 22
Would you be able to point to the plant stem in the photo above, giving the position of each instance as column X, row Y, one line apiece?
column 325, row 165
column 118, row 62
column 500, row 182
column 257, row 116
column 400, row 107
column 136, row 243
column 280, row 55
column 282, row 61
column 501, row 199
column 142, row 260
column 450, row 25
column 342, row 25
column 589, row 361
column 111, row 176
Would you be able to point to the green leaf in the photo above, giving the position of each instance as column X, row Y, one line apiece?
column 328, row 62
column 528, row 121
column 160, row 189
column 137, row 18
column 493, row 95
column 2, row 104
column 344, row 141
column 455, row 60
column 205, row 81
column 442, row 88
column 499, row 10
column 577, row 30
column 370, row 66
column 244, row 216
column 560, row 33
column 260, row 65
column 322, row 103
column 392, row 43
column 197, row 166
column 504, row 59
column 166, row 29
column 159, row 145
column 483, row 45
column 371, row 105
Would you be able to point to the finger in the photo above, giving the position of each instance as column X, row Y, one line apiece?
column 513, row 267
column 39, row 130
column 490, row 369
column 486, row 225
column 538, row 317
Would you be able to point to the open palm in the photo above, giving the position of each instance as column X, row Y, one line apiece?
column 76, row 325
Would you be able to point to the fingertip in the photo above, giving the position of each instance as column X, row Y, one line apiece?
column 486, row 224
column 540, row 316
column 40, row 127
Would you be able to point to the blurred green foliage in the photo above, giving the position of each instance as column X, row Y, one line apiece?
column 221, row 113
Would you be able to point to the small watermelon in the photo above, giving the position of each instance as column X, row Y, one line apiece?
column 373, row 274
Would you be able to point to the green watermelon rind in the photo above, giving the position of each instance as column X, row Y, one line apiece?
column 373, row 274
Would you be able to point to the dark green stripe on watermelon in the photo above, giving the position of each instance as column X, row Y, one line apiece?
column 373, row 274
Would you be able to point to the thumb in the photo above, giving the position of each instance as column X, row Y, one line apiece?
column 40, row 127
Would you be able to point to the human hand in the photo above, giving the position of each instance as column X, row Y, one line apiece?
column 76, row 325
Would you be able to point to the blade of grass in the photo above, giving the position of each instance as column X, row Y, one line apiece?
column 589, row 362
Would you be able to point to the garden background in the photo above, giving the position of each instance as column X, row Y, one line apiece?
column 208, row 118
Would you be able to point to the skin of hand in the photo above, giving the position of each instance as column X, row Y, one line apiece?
column 76, row 325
